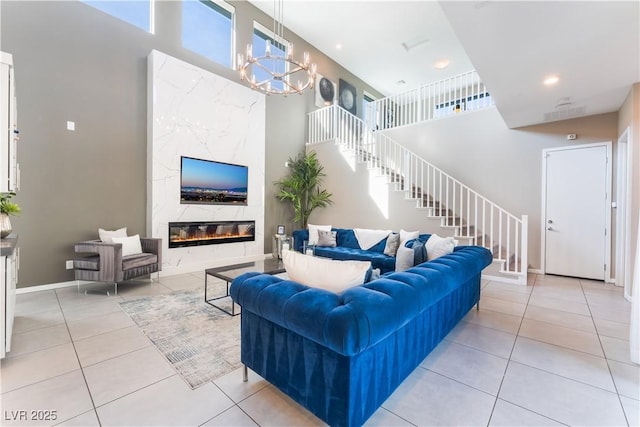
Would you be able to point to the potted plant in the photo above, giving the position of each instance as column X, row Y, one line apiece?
column 302, row 187
column 7, row 207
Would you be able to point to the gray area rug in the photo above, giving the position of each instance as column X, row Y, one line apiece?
column 201, row 342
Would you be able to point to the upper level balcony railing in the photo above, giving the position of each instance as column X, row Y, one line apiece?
column 464, row 92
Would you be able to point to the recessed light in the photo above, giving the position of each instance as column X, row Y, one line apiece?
column 441, row 64
column 551, row 80
column 338, row 46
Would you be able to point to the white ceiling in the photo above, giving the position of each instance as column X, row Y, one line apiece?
column 593, row 46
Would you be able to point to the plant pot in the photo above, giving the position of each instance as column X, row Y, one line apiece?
column 5, row 225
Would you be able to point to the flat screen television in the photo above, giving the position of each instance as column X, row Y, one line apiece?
column 207, row 182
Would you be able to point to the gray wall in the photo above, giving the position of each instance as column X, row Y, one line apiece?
column 73, row 62
column 477, row 148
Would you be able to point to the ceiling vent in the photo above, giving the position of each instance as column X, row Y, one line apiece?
column 565, row 113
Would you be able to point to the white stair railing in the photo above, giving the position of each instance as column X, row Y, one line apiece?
column 474, row 217
column 464, row 92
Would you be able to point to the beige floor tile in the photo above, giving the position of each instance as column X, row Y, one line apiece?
column 271, row 407
column 169, row 402
column 110, row 344
column 627, row 379
column 125, row 374
column 486, row 339
column 74, row 313
column 567, row 401
column 37, row 366
column 564, row 293
column 48, row 402
column 34, row 302
column 551, row 280
column 427, row 398
column 612, row 329
column 561, row 318
column 502, row 306
column 562, row 305
column 233, row 386
column 576, row 365
column 494, row 319
column 88, row 419
column 632, row 410
column 616, row 349
column 384, row 418
column 508, row 287
column 472, row 367
column 183, row 281
column 613, row 313
column 506, row 414
column 27, row 342
column 95, row 292
column 233, row 416
column 564, row 337
column 492, row 291
column 91, row 326
column 37, row 320
column 598, row 285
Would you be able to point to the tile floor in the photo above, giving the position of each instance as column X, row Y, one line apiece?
column 551, row 353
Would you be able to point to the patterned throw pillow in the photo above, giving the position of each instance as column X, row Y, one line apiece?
column 327, row 238
column 393, row 241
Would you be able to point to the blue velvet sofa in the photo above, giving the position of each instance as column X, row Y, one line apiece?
column 341, row 355
column 347, row 248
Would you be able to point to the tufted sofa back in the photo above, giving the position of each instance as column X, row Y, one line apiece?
column 358, row 318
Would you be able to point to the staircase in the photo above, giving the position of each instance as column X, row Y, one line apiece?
column 471, row 218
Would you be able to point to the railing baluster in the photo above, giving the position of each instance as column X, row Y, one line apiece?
column 413, row 174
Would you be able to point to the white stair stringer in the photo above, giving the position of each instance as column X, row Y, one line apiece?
column 459, row 211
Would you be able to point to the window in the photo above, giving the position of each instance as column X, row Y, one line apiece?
column 207, row 29
column 260, row 37
column 138, row 12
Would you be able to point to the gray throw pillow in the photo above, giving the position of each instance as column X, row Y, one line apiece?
column 419, row 252
column 393, row 241
column 327, row 238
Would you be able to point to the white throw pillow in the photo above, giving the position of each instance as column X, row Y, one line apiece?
column 408, row 235
column 130, row 245
column 438, row 246
column 324, row 273
column 107, row 235
column 404, row 258
column 313, row 232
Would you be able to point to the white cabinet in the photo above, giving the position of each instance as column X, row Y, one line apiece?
column 9, row 264
column 9, row 169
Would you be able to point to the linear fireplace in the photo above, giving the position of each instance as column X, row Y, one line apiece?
column 197, row 233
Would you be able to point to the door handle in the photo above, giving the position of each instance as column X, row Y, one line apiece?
column 550, row 228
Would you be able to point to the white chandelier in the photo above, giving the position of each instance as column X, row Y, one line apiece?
column 280, row 70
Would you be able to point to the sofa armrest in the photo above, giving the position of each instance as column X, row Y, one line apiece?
column 110, row 263
column 299, row 236
column 153, row 245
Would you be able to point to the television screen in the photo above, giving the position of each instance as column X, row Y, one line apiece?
column 215, row 183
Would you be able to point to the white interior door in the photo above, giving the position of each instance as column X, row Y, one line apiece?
column 575, row 217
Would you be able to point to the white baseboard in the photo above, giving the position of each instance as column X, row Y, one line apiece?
column 166, row 271
column 535, row 271
column 49, row 286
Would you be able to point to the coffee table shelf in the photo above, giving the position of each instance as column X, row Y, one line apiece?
column 229, row 273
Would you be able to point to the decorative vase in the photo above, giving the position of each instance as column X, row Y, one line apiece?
column 5, row 225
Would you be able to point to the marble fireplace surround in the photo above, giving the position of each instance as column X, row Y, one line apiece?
column 195, row 113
